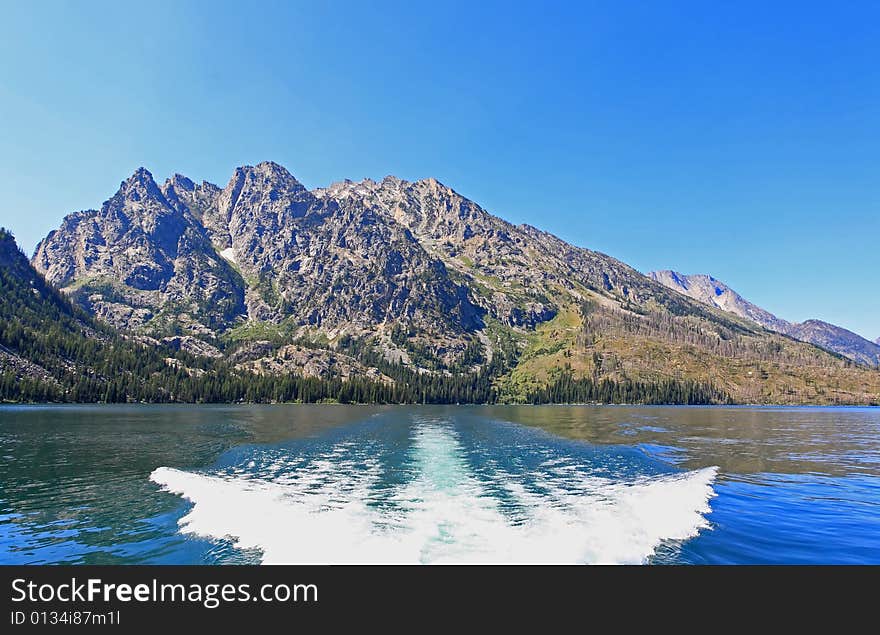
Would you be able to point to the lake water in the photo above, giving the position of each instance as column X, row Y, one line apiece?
column 326, row 484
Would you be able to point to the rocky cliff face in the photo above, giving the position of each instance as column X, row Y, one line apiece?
column 715, row 293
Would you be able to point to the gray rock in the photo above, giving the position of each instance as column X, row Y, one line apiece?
column 192, row 345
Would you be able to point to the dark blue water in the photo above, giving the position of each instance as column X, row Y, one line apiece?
column 208, row 484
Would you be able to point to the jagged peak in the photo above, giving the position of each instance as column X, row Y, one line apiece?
column 141, row 176
column 181, row 181
column 269, row 179
column 271, row 166
column 133, row 193
column 435, row 185
column 138, row 185
column 394, row 181
column 267, row 171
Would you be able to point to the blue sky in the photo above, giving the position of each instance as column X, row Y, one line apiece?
column 740, row 139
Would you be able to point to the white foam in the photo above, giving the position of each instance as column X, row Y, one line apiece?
column 326, row 511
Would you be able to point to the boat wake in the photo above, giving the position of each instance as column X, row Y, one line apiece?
column 347, row 505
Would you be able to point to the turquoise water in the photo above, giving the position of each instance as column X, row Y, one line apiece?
column 297, row 484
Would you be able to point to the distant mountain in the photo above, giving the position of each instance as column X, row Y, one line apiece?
column 713, row 292
column 411, row 285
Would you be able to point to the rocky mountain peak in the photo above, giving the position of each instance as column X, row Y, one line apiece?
column 271, row 174
column 141, row 174
column 139, row 186
column 271, row 167
column 266, row 184
column 181, row 182
column 435, row 185
column 140, row 207
column 392, row 181
column 263, row 196
column 183, row 194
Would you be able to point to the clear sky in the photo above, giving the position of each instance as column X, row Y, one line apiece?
column 740, row 139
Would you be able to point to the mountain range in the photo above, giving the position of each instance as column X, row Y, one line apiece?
column 713, row 292
column 405, row 290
